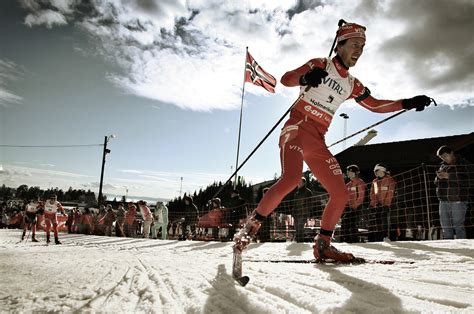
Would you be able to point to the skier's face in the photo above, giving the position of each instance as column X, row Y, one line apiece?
column 351, row 51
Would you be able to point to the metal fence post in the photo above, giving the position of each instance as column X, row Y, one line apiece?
column 427, row 201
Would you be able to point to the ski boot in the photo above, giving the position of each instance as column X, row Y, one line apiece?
column 56, row 240
column 33, row 239
column 23, row 236
column 324, row 251
column 243, row 238
column 48, row 239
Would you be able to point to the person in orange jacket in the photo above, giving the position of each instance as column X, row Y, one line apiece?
column 356, row 189
column 87, row 222
column 381, row 196
column 130, row 230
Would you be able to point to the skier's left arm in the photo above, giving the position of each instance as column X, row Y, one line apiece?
column 362, row 96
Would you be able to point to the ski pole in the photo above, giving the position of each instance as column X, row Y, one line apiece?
column 375, row 124
column 339, row 24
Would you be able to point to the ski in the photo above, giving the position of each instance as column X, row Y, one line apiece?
column 237, row 268
column 357, row 261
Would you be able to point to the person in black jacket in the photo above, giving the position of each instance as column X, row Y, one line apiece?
column 302, row 208
column 191, row 214
column 453, row 180
column 236, row 210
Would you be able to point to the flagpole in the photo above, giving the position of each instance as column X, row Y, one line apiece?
column 240, row 122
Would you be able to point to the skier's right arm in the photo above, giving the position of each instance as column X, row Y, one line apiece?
column 293, row 77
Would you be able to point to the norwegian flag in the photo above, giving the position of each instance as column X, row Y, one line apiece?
column 258, row 76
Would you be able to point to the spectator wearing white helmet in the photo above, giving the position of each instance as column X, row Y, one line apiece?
column 381, row 196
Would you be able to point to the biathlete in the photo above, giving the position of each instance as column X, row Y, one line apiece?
column 51, row 208
column 302, row 137
column 29, row 220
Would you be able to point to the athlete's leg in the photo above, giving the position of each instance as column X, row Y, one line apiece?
column 291, row 158
column 328, row 172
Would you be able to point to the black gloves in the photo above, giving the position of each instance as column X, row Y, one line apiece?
column 313, row 77
column 419, row 102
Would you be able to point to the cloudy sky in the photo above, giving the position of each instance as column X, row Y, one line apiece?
column 166, row 76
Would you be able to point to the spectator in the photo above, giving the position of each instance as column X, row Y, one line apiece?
column 87, row 222
column 236, row 210
column 51, row 209
column 452, row 189
column 70, row 220
column 29, row 221
column 215, row 216
column 119, row 222
column 191, row 214
column 108, row 220
column 129, row 223
column 381, row 196
column 77, row 222
column 301, row 208
column 161, row 221
column 356, row 189
column 147, row 218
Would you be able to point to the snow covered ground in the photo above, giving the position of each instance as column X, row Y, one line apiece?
column 102, row 274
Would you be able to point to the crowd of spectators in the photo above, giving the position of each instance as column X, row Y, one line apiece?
column 375, row 211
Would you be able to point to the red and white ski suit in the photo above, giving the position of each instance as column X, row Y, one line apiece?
column 51, row 216
column 302, row 137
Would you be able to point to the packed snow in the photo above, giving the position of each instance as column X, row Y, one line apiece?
column 109, row 274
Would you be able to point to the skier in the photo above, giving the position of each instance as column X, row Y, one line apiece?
column 51, row 208
column 329, row 84
column 31, row 210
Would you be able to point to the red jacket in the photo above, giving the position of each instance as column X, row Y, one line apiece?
column 130, row 215
column 382, row 190
column 356, row 189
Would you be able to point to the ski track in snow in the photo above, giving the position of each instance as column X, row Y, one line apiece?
column 108, row 274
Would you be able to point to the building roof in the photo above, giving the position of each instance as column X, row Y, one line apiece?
column 406, row 154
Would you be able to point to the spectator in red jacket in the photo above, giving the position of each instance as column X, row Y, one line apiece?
column 87, row 222
column 380, row 209
column 130, row 230
column 108, row 220
column 356, row 190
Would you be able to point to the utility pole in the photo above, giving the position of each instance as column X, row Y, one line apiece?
column 105, row 152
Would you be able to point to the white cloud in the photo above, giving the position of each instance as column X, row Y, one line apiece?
column 46, row 17
column 190, row 53
column 9, row 71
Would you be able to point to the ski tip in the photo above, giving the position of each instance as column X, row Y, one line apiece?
column 244, row 280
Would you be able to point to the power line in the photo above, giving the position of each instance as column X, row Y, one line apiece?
column 48, row 146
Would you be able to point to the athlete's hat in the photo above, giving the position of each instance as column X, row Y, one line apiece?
column 350, row 30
